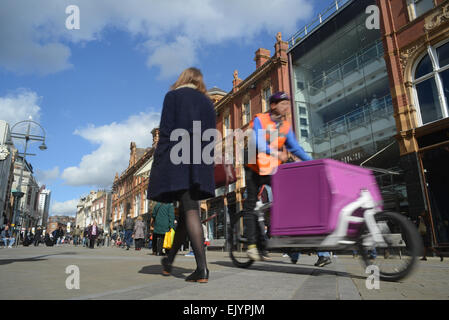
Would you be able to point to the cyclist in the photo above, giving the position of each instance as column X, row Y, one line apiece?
column 270, row 154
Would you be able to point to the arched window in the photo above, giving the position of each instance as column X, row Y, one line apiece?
column 432, row 84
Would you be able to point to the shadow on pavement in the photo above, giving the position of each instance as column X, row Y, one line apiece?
column 177, row 272
column 292, row 269
column 33, row 259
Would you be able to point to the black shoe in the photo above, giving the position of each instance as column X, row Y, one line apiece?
column 201, row 276
column 423, row 259
column 441, row 258
column 166, row 266
column 322, row 261
column 294, row 261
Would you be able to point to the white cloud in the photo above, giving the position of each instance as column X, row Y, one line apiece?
column 174, row 57
column 66, row 208
column 99, row 167
column 19, row 106
column 46, row 176
column 38, row 40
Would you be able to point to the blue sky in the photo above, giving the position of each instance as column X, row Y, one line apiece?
column 96, row 89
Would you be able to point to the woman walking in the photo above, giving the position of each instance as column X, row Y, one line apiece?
column 139, row 233
column 186, row 181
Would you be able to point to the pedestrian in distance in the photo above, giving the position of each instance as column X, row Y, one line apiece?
column 426, row 236
column 101, row 237
column 48, row 240
column 7, row 237
column 129, row 228
column 86, row 236
column 28, row 238
column 38, row 236
column 185, row 182
column 93, row 233
column 139, row 233
column 76, row 235
column 163, row 219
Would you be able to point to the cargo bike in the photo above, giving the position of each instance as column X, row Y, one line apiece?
column 327, row 205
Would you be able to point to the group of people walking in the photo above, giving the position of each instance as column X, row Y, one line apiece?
column 88, row 237
column 162, row 220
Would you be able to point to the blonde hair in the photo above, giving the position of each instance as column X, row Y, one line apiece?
column 191, row 76
column 139, row 218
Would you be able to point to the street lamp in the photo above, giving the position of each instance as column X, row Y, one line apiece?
column 17, row 193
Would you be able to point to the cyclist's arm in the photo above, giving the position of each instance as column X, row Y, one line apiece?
column 259, row 137
column 294, row 147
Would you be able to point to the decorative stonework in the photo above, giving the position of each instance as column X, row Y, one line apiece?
column 407, row 53
column 437, row 18
column 279, row 36
column 4, row 152
column 408, row 84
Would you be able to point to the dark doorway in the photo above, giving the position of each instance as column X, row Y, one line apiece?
column 436, row 170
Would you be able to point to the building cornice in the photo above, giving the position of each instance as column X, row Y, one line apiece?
column 132, row 169
column 253, row 77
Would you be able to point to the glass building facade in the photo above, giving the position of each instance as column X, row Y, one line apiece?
column 342, row 103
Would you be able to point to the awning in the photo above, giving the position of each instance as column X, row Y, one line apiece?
column 144, row 171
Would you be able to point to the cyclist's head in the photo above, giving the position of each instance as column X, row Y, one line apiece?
column 279, row 103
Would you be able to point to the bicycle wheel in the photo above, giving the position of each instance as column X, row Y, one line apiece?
column 238, row 245
column 398, row 259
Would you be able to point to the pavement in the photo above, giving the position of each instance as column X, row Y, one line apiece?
column 116, row 274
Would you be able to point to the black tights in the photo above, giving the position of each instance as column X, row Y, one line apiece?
column 189, row 224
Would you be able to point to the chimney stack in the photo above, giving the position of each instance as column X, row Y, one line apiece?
column 262, row 56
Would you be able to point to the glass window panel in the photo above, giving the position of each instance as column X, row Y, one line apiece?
column 428, row 101
column 445, row 79
column 422, row 6
column 443, row 55
column 424, row 67
column 304, row 133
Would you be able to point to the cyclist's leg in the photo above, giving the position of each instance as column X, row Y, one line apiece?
column 323, row 254
column 323, row 259
column 294, row 256
column 249, row 216
column 261, row 235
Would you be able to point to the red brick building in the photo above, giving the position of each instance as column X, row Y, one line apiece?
column 235, row 110
column 416, row 42
column 130, row 188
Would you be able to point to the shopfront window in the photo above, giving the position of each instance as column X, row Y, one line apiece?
column 341, row 89
column 432, row 84
column 219, row 223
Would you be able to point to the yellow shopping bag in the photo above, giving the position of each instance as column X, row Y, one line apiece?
column 168, row 239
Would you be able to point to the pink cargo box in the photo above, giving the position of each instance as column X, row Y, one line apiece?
column 308, row 196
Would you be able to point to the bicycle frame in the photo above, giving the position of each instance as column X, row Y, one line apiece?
column 339, row 239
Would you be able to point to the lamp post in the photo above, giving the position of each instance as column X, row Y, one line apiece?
column 17, row 193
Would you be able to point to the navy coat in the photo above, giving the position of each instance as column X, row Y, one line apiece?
column 167, row 180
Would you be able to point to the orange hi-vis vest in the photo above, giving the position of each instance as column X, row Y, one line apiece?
column 266, row 164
